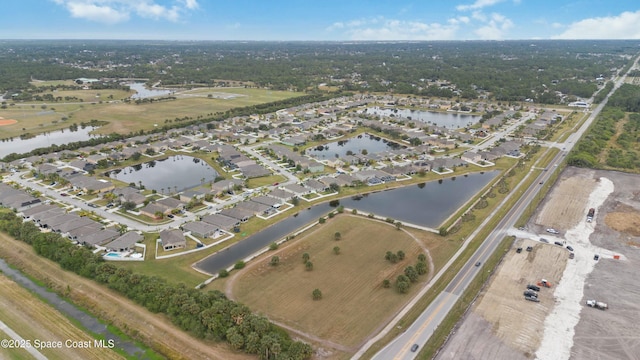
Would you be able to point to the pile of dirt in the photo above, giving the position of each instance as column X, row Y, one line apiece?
column 626, row 222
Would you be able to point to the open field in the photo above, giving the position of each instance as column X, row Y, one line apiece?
column 154, row 330
column 33, row 319
column 503, row 325
column 37, row 117
column 353, row 303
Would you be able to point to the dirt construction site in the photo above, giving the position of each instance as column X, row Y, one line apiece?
column 501, row 324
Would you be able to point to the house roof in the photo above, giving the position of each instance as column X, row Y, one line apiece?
column 98, row 238
column 172, row 237
column 125, row 240
column 200, row 227
column 221, row 221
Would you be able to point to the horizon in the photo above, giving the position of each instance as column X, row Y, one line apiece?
column 330, row 20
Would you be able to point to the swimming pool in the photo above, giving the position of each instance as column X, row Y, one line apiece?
column 113, row 255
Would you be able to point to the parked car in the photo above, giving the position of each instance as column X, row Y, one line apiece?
column 519, row 250
column 64, row 194
column 596, row 257
column 553, row 231
column 544, row 240
column 559, row 243
column 170, row 216
column 570, row 248
column 533, row 287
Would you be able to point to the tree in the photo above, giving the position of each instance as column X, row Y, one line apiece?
column 422, row 258
column 336, row 250
column 337, row 236
column 411, row 273
column 322, row 220
column 402, row 284
column 275, row 261
column 273, row 246
column 305, row 257
column 401, row 255
column 386, row 283
column 317, row 294
column 308, row 265
column 239, row 265
column 421, row 267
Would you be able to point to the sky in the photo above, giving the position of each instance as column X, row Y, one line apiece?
column 320, row 20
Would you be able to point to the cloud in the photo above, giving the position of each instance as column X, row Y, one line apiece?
column 115, row 11
column 495, row 27
column 623, row 26
column 479, row 4
column 380, row 28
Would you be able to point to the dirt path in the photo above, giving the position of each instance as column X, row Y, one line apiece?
column 152, row 329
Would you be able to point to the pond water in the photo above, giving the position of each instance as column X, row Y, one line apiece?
column 142, row 92
column 450, row 120
column 60, row 137
column 373, row 144
column 168, row 175
column 427, row 204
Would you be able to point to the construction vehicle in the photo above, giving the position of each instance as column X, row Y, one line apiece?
column 544, row 283
column 597, row 304
column 591, row 214
column 532, row 298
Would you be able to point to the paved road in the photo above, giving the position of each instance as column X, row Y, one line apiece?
column 422, row 329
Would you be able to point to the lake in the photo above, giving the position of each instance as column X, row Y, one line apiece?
column 427, row 204
column 355, row 145
column 142, row 92
column 450, row 120
column 59, row 137
column 168, row 175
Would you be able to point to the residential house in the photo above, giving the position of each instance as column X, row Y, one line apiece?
column 221, row 221
column 124, row 242
column 98, row 238
column 237, row 213
column 200, row 229
column 152, row 210
column 172, row 239
column 255, row 207
column 266, row 200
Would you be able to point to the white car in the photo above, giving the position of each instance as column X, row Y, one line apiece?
column 553, row 231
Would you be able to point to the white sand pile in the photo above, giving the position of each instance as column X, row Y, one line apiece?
column 559, row 325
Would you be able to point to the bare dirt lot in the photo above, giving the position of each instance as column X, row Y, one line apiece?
column 511, row 324
column 501, row 325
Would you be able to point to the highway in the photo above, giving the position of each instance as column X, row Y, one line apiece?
column 403, row 347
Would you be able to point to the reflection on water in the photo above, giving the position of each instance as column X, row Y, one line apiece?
column 60, row 137
column 450, row 120
column 168, row 175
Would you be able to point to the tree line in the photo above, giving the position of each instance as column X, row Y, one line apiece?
column 207, row 315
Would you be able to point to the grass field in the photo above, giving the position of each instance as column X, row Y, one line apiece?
column 354, row 302
column 36, row 117
column 33, row 319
